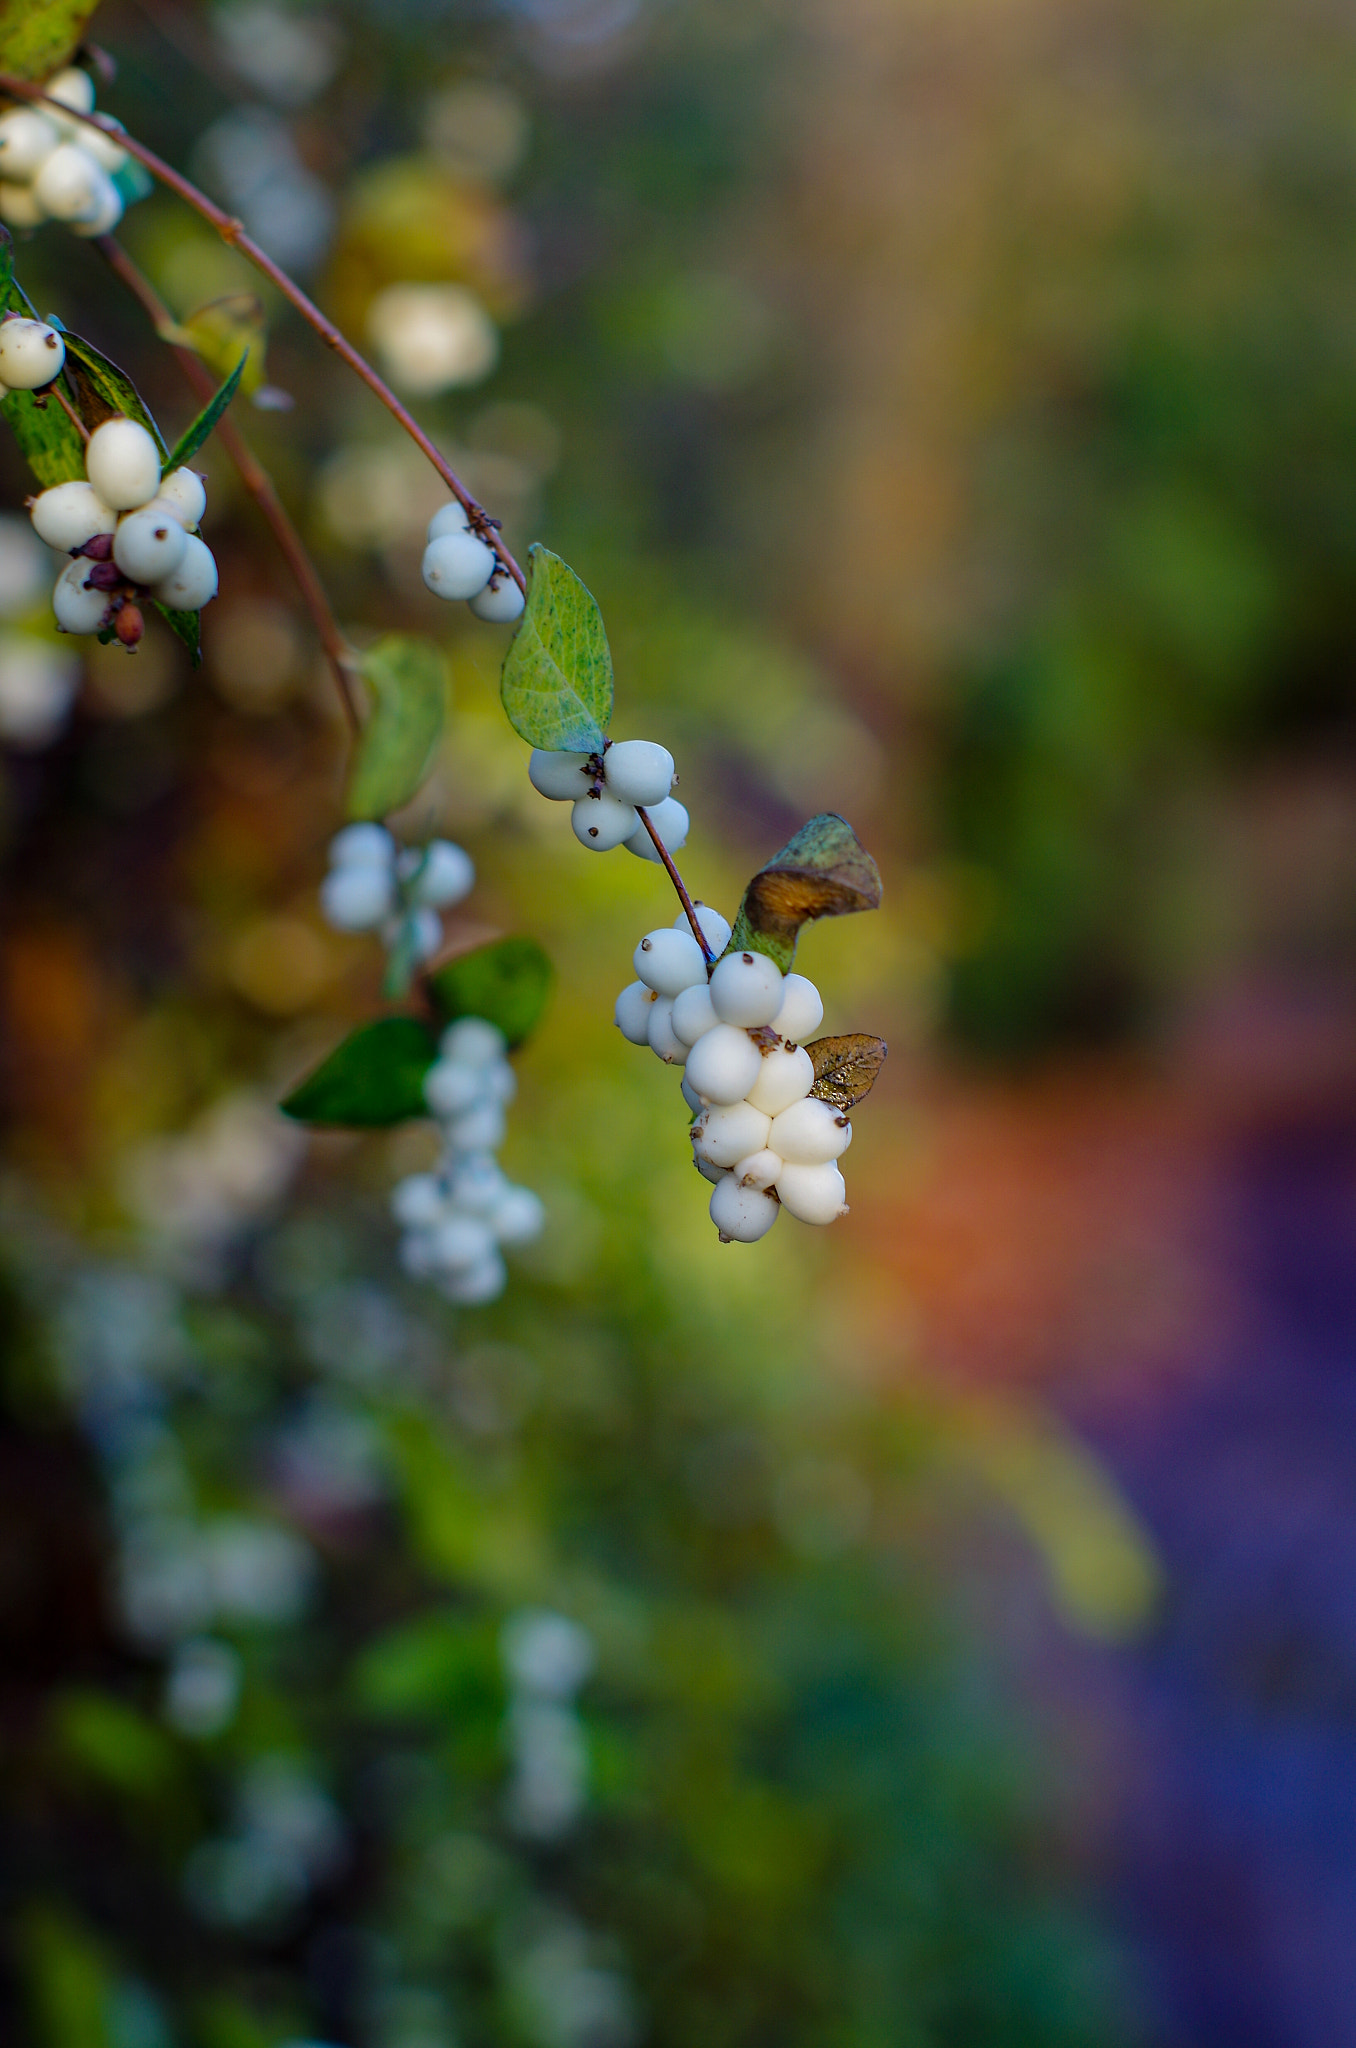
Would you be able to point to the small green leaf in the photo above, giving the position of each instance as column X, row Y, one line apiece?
column 38, row 36
column 50, row 444
column 190, row 442
column 408, row 680
column 846, row 1068
column 824, row 871
column 507, row 983
column 374, row 1077
column 103, row 391
column 188, row 627
column 557, row 681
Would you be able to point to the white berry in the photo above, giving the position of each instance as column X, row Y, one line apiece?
column 70, row 514
column 562, row 777
column 638, row 771
column 449, row 518
column 663, row 1040
column 457, row 565
column 103, row 217
column 724, row 1135
column 601, row 822
column 194, row 583
column 815, row 1194
column 500, row 1081
column 746, row 989
column 810, row 1132
column 693, row 1016
column 788, row 1074
column 73, row 88
column 31, row 354
column 691, row 1097
column 632, row 1014
column 474, row 1040
column 478, row 1185
column 69, row 186
column 123, row 464
column 419, row 1201
column 500, row 602
column 149, row 545
column 106, row 150
column 723, row 1065
column 758, row 1170
column 438, row 874
column 356, row 899
column 185, row 491
column 670, row 821
column 715, row 930
column 480, row 1129
column 362, row 846
column 669, row 961
column 462, row 1241
column 519, row 1218
column 77, row 608
column 741, row 1215
column 451, row 1087
column 707, row 1170
column 477, row 1284
column 27, row 139
column 18, row 207
column 802, row 1009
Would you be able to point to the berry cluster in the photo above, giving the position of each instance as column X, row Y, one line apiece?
column 458, row 1219
column 375, row 885
column 737, row 1030
column 129, row 531
column 460, row 564
column 56, row 169
column 605, row 792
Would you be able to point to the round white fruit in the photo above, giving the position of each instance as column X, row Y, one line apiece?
column 106, row 150
column 18, row 207
column 31, row 354
column 500, row 1081
column 693, row 1016
column 356, row 899
column 476, row 1285
column 788, row 1074
column 123, row 464
column 194, row 583
column 741, row 1215
column 810, row 1132
column 707, row 1170
column 451, row 1087
column 27, row 139
column 669, row 961
column 70, row 514
column 457, row 565
column 724, row 1135
column 419, row 1201
column 69, row 186
column 724, row 1064
column 632, row 1014
column 362, row 846
column 77, row 608
column 438, row 874
column 462, row 1241
column 478, row 1185
column 638, row 771
column 73, row 88
column 474, row 1040
column 691, row 1097
column 449, row 518
column 500, row 602
column 670, row 821
column 149, row 545
column 601, row 822
column 562, row 777
column 802, row 1009
column 715, row 930
column 481, row 1129
column 519, row 1218
column 102, row 218
column 185, row 491
column 661, row 1033
column 758, row 1170
column 746, row 989
column 815, row 1194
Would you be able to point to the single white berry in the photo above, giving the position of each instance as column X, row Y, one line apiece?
column 362, row 846
column 500, row 1082
column 693, row 1015
column 741, row 1215
column 457, row 565
column 669, row 961
column 476, row 1285
column 419, row 1201
column 724, row 1063
column 416, row 1254
column 356, row 899
column 449, row 518
column 123, row 464
column 72, row 88
column 31, row 354
column 707, row 1170
column 451, row 1087
column 816, row 1194
column 104, row 217
column 185, row 491
column 788, row 1074
column 439, row 874
column 27, row 139
column 661, row 1033
column 810, row 1132
column 519, row 1218
column 500, row 602
column 475, row 1041
column 18, row 207
column 758, row 1170
column 149, row 545
column 802, row 1009
column 562, row 777
column 746, row 989
column 69, row 186
column 106, row 150
column 462, row 1241
column 481, row 1129
column 194, row 583
column 70, row 514
column 691, row 1097
column 78, row 609
column 475, row 1182
column 638, row 771
column 670, row 821
column 715, row 930
column 632, row 1014
column 420, row 932
column 724, row 1135
column 601, row 822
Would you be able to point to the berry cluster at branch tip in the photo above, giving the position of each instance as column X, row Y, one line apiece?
column 129, row 531
column 757, row 1130
column 605, row 792
column 375, row 885
column 460, row 563
column 52, row 168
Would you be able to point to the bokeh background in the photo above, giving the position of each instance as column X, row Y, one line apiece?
column 935, row 1632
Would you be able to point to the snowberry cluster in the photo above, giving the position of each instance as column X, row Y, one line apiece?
column 56, row 169
column 129, row 531
column 375, row 885
column 737, row 1030
column 605, row 789
column 458, row 1219
column 460, row 564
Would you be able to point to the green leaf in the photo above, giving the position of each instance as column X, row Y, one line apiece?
column 557, row 681
column 408, row 680
column 846, row 1068
column 187, row 625
column 824, row 871
column 103, row 391
column 38, row 36
column 375, row 1077
column 508, row 983
column 6, row 264
column 190, row 442
column 48, row 440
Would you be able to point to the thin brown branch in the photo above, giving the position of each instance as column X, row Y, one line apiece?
column 677, row 881
column 72, row 415
column 253, row 475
